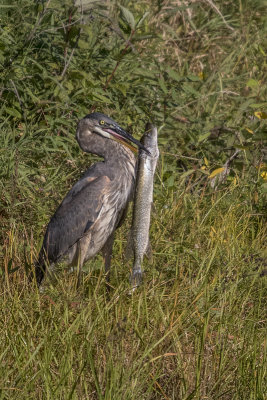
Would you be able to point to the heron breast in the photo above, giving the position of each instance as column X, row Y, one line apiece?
column 115, row 201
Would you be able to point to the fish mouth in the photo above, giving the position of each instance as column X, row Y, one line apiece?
column 123, row 137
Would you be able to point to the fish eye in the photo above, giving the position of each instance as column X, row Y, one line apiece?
column 102, row 122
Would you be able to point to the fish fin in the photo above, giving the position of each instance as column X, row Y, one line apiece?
column 129, row 251
column 149, row 252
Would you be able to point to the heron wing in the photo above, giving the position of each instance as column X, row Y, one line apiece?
column 77, row 213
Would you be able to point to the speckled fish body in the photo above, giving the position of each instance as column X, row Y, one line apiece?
column 143, row 200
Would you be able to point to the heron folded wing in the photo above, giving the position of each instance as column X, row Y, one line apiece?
column 76, row 215
column 77, row 188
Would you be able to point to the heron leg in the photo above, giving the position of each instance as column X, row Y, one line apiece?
column 79, row 274
column 79, row 263
column 107, row 254
column 39, row 272
column 41, row 267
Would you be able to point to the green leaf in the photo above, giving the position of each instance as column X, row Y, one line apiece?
column 163, row 86
column 245, row 105
column 173, row 74
column 187, row 88
column 101, row 98
column 203, row 136
column 145, row 72
column 13, row 112
column 252, row 83
column 170, row 181
column 139, row 23
column 194, row 78
column 83, row 44
column 128, row 16
column 187, row 173
column 258, row 105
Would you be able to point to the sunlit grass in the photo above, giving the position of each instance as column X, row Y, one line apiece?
column 196, row 328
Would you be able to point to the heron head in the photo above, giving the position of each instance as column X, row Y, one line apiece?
column 101, row 124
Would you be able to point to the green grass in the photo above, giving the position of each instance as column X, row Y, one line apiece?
column 196, row 328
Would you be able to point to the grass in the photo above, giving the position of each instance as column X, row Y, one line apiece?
column 196, row 328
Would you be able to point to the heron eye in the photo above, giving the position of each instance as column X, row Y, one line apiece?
column 102, row 122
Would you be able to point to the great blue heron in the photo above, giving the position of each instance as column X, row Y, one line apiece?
column 95, row 206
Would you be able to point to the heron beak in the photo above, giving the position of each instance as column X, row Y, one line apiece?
column 126, row 144
column 125, row 138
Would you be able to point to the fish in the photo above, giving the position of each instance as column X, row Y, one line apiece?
column 143, row 199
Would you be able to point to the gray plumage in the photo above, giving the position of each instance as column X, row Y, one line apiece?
column 85, row 221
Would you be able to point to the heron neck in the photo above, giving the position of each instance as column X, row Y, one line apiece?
column 115, row 155
column 118, row 154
